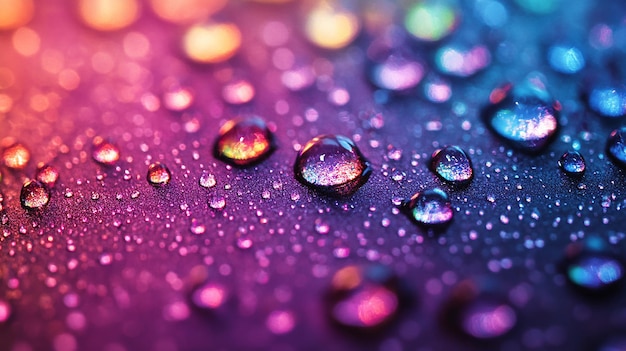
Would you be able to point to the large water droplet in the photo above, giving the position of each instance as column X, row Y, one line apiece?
column 105, row 152
column 47, row 175
column 332, row 164
column 365, row 298
column 453, row 165
column 616, row 146
column 16, row 156
column 34, row 195
column 526, row 116
column 430, row 208
column 244, row 141
column 158, row 174
column 608, row 100
column 480, row 314
column 572, row 163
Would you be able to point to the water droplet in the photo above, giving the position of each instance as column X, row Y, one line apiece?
column 108, row 15
column 238, row 92
column 176, row 97
column 482, row 315
column 5, row 311
column 105, row 152
column 197, row 227
column 396, row 72
column 34, row 195
column 47, row 175
column 572, row 163
column 331, row 27
column 217, row 202
column 431, row 208
column 593, row 271
column 566, row 59
column 452, row 164
column 616, row 146
column 207, row 180
column 212, row 42
column 525, row 117
column 608, row 100
column 365, row 298
column 321, row 227
column 16, row 156
column 105, row 259
column 431, row 20
column 158, row 174
column 209, row 296
column 460, row 61
column 244, row 141
column 332, row 164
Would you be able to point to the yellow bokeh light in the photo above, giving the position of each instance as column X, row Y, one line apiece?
column 331, row 28
column 211, row 43
column 185, row 11
column 15, row 13
column 108, row 15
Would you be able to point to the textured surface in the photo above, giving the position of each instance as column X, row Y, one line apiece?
column 110, row 262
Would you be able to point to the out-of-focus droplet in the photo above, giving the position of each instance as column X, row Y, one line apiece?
column 431, row 20
column 16, row 156
column 209, row 296
column 34, row 195
column 396, row 73
column 572, row 163
column 526, row 116
column 5, row 308
column 365, row 299
column 431, row 208
column 492, row 13
column 479, row 314
column 332, row 164
column 437, row 90
column 452, row 164
column 15, row 13
column 47, row 175
column 298, row 78
column 158, row 175
column 212, row 42
column 186, row 11
column 207, row 180
column 566, row 59
column 177, row 98
column 616, row 146
column 458, row 61
column 608, row 100
column 105, row 152
column 108, row 15
column 238, row 92
column 244, row 141
column 331, row 28
column 540, row 7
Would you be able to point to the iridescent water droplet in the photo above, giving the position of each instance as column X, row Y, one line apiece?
column 209, row 296
column 34, row 195
column 16, row 156
column 616, row 146
column 158, row 174
column 47, row 175
column 525, row 116
column 566, row 59
column 105, row 152
column 332, row 164
column 365, row 299
column 572, row 163
column 431, row 208
column 480, row 314
column 207, row 180
column 608, row 100
column 244, row 141
column 238, row 92
column 453, row 165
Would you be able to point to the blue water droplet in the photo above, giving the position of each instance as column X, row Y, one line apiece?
column 453, row 165
column 572, row 163
column 608, row 100
column 332, row 164
column 526, row 117
column 430, row 208
column 595, row 272
column 616, row 146
column 566, row 59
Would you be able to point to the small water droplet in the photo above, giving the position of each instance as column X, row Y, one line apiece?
column 526, row 116
column 34, row 195
column 431, row 208
column 209, row 296
column 572, row 163
column 16, row 156
column 452, row 164
column 332, row 164
column 105, row 259
column 105, row 152
column 207, row 180
column 365, row 298
column 217, row 202
column 197, row 227
column 321, row 227
column 616, row 146
column 47, row 175
column 158, row 174
column 244, row 141
column 608, row 100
